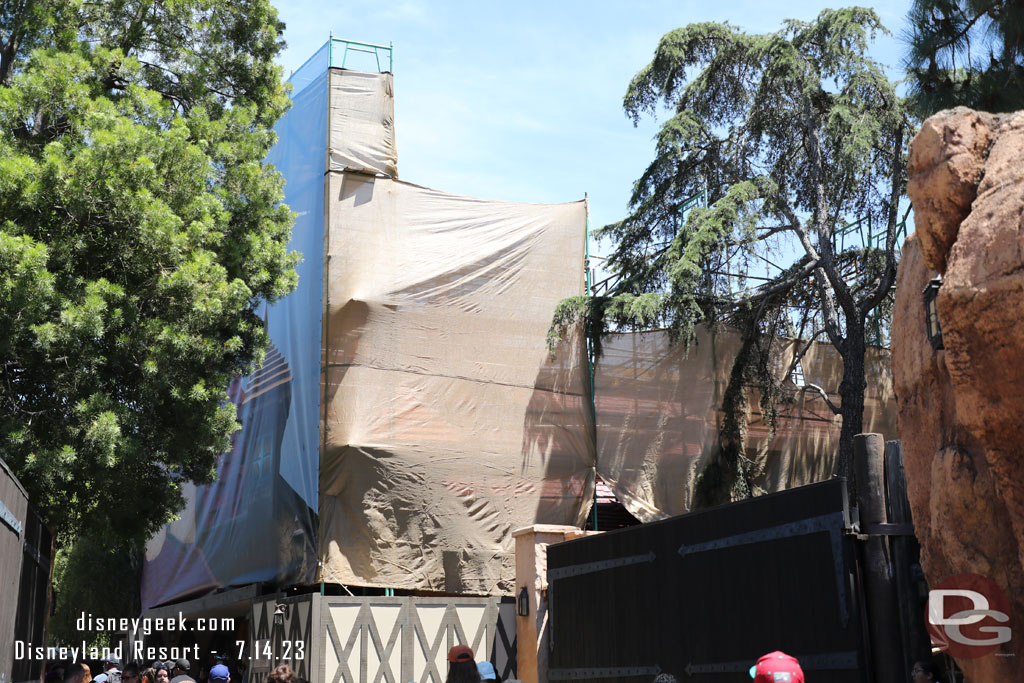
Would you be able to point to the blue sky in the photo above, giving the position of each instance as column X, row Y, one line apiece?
column 522, row 100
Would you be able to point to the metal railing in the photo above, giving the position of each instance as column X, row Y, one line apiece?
column 340, row 49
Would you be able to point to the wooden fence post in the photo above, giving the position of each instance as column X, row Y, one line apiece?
column 916, row 644
column 883, row 615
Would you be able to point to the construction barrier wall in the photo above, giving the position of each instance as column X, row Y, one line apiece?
column 447, row 422
column 407, row 639
column 409, row 414
column 659, row 414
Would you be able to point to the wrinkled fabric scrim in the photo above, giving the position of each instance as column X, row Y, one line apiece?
column 658, row 416
column 447, row 422
column 362, row 123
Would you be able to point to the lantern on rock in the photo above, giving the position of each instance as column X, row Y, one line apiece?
column 931, row 311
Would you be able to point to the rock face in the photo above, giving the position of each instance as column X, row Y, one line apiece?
column 961, row 409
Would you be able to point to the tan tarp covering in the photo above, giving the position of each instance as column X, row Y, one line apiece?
column 361, row 127
column 443, row 424
column 447, row 425
column 658, row 417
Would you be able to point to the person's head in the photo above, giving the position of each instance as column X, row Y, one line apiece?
column 78, row 673
column 487, row 672
column 283, row 674
column 462, row 666
column 925, row 671
column 181, row 667
column 147, row 675
column 219, row 673
column 163, row 675
column 130, row 673
column 664, row 678
column 777, row 667
column 110, row 662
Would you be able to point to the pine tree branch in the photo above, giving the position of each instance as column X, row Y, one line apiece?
column 799, row 356
column 827, row 266
column 824, row 397
column 800, row 272
column 824, row 294
column 956, row 37
column 830, row 315
column 771, row 230
column 889, row 274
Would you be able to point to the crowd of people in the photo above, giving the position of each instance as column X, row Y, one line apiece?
column 156, row 672
column 774, row 667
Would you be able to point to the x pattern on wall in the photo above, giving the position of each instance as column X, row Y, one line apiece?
column 394, row 640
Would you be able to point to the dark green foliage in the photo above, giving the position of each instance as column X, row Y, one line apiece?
column 966, row 52
column 98, row 577
column 729, row 475
column 789, row 136
column 140, row 235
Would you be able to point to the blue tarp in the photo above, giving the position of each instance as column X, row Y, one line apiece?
column 258, row 520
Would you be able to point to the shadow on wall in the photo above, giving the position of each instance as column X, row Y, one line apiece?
column 558, row 433
column 659, row 414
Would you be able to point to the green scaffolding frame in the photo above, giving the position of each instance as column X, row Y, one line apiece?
column 339, row 49
column 591, row 351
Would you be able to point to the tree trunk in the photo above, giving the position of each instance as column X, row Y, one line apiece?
column 16, row 34
column 851, row 389
column 7, row 54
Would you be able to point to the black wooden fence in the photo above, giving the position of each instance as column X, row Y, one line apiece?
column 13, row 506
column 25, row 545
column 703, row 595
column 33, row 595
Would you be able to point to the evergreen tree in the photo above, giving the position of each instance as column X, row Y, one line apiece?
column 791, row 136
column 966, row 52
column 140, row 235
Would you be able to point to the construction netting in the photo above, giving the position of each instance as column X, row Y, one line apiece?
column 659, row 414
column 409, row 415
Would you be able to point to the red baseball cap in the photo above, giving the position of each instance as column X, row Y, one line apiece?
column 777, row 667
column 463, row 653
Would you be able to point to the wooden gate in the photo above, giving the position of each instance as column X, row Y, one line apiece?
column 377, row 639
column 281, row 631
column 705, row 594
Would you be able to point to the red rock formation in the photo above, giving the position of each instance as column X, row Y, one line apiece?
column 961, row 410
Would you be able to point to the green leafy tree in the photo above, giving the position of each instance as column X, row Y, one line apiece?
column 789, row 135
column 101, row 578
column 966, row 52
column 140, row 235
